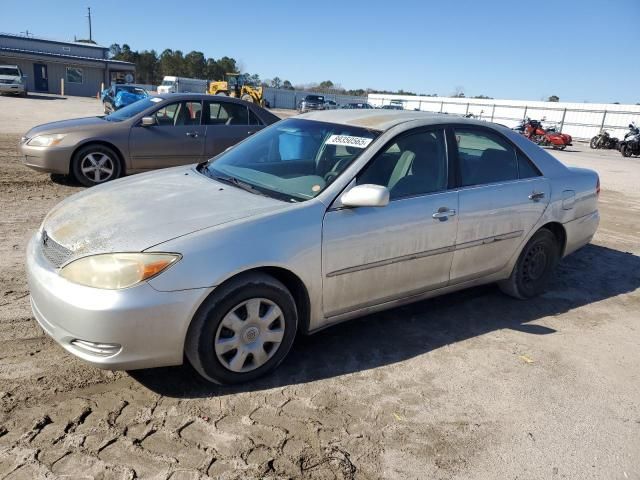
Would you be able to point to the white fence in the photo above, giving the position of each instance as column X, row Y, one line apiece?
column 580, row 120
column 280, row 98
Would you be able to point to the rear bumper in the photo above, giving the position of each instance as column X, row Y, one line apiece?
column 580, row 231
column 137, row 327
column 46, row 159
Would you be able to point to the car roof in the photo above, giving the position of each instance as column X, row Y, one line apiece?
column 379, row 119
column 198, row 96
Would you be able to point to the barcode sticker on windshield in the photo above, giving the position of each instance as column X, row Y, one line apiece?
column 349, row 141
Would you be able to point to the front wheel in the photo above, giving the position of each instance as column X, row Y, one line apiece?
column 243, row 330
column 594, row 142
column 534, row 267
column 625, row 151
column 95, row 164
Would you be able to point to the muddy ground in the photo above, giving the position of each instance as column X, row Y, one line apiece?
column 472, row 385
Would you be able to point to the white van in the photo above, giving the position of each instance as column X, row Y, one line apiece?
column 182, row 85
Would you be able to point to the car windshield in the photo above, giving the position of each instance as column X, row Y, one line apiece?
column 132, row 110
column 167, row 82
column 314, row 98
column 9, row 71
column 293, row 160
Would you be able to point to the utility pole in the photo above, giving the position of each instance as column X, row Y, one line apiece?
column 89, row 17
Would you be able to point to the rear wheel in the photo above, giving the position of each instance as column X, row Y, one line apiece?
column 243, row 330
column 95, row 164
column 534, row 267
column 625, row 151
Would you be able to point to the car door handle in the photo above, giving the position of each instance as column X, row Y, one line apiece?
column 443, row 213
column 192, row 134
column 535, row 196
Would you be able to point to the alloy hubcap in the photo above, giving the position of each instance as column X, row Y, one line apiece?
column 97, row 167
column 249, row 335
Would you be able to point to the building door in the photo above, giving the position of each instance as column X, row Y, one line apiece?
column 40, row 77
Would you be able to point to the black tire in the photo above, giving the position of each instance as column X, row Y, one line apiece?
column 534, row 267
column 594, row 142
column 625, row 151
column 199, row 344
column 80, row 163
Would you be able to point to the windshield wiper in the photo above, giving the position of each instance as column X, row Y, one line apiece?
column 240, row 184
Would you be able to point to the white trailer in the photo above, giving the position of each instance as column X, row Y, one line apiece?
column 182, row 85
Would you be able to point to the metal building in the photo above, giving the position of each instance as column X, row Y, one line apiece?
column 84, row 67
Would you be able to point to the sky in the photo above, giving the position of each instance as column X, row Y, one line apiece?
column 579, row 50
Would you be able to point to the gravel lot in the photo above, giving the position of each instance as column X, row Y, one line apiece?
column 472, row 385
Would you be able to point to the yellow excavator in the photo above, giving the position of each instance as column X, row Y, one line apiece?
column 237, row 85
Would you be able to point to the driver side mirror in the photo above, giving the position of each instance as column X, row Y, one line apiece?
column 367, row 195
column 148, row 121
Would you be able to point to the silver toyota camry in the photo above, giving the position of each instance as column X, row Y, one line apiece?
column 312, row 221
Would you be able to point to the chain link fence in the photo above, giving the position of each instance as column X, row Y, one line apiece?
column 582, row 120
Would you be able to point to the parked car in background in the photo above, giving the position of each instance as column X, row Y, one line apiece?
column 392, row 107
column 330, row 105
column 12, row 80
column 357, row 105
column 155, row 132
column 121, row 95
column 317, row 219
column 311, row 102
column 172, row 84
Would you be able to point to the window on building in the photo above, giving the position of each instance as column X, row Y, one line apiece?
column 75, row 75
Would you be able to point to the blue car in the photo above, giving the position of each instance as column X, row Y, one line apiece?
column 121, row 95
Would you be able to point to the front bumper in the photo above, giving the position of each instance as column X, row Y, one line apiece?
column 47, row 159
column 17, row 88
column 137, row 327
column 308, row 107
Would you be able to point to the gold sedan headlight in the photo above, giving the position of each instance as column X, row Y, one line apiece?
column 46, row 140
column 113, row 271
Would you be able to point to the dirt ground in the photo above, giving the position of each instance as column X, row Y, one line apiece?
column 472, row 385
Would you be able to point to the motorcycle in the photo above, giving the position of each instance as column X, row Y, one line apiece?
column 604, row 140
column 631, row 143
column 534, row 131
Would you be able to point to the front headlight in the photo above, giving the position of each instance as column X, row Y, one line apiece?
column 113, row 271
column 46, row 140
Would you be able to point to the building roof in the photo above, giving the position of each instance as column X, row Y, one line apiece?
column 64, row 56
column 51, row 40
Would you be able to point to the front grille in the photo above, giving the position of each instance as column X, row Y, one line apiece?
column 54, row 252
column 6, row 81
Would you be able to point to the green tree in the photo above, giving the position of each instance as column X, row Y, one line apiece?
column 148, row 68
column 276, row 82
column 228, row 65
column 114, row 50
column 195, row 65
column 287, row 85
column 554, row 98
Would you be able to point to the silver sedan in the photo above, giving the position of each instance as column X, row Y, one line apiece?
column 314, row 220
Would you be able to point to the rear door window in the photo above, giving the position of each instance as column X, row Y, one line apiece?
column 227, row 113
column 484, row 157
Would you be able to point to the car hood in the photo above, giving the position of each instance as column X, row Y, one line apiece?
column 66, row 126
column 136, row 213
